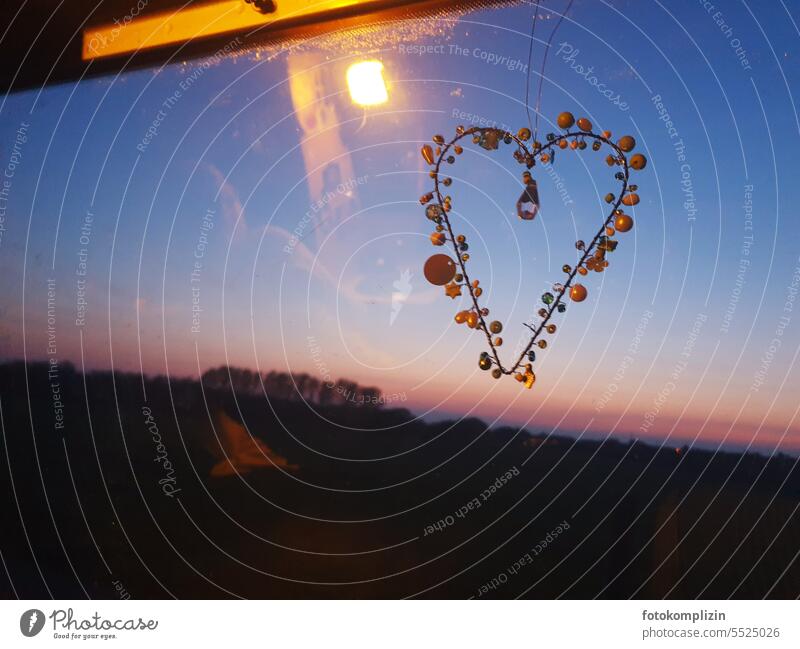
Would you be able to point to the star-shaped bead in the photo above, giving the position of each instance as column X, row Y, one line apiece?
column 452, row 290
column 530, row 379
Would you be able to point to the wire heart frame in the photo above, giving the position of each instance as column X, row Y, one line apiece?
column 441, row 270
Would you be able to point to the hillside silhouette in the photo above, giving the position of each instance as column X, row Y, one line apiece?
column 283, row 486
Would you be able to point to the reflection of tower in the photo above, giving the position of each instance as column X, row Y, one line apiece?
column 327, row 160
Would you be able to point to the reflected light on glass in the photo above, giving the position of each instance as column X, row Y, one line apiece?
column 366, row 84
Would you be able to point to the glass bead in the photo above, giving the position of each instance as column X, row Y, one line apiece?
column 465, row 257
column 561, row 307
column 496, row 326
column 485, row 363
column 551, row 328
column 542, row 344
column 547, row 298
column 531, row 356
column 596, row 145
column 447, row 182
column 558, row 287
column 464, row 247
column 497, row 372
column 438, row 139
column 484, row 312
column 461, row 238
column 542, row 313
column 489, row 139
column 579, row 244
column 567, row 268
column 433, row 210
column 451, row 159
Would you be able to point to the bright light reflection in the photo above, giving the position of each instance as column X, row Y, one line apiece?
column 366, row 84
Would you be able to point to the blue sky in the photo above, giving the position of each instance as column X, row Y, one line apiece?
column 245, row 152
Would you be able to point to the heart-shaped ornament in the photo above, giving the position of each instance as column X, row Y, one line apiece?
column 443, row 270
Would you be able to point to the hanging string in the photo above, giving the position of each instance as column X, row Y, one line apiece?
column 535, row 129
column 530, row 58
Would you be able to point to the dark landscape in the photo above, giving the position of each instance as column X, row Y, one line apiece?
column 169, row 496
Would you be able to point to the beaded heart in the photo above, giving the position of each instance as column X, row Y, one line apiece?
column 443, row 270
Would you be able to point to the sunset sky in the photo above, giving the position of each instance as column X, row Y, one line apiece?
column 247, row 212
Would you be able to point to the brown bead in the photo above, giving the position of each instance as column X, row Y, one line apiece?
column 439, row 269
column 578, row 292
